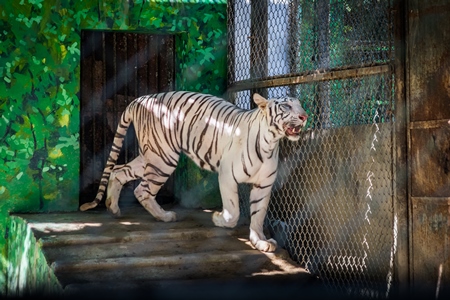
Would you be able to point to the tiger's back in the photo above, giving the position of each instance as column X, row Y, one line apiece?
column 198, row 125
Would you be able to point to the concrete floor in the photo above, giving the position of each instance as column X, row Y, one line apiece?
column 93, row 253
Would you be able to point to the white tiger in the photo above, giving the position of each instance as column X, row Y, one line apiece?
column 241, row 145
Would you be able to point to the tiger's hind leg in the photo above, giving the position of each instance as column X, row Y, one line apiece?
column 120, row 175
column 155, row 175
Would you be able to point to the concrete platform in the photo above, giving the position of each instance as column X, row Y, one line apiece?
column 93, row 253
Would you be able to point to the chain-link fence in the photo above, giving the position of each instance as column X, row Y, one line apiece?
column 332, row 204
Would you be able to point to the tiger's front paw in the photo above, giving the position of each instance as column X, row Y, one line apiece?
column 169, row 216
column 269, row 245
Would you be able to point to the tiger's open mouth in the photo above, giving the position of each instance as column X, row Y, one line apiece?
column 293, row 130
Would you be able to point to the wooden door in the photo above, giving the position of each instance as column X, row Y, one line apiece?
column 117, row 67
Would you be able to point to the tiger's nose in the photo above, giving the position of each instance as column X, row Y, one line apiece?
column 303, row 117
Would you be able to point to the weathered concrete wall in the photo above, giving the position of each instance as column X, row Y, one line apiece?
column 428, row 87
column 27, row 271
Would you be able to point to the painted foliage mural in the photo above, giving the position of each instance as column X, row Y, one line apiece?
column 40, row 82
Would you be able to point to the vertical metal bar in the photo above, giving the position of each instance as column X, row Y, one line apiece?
column 323, row 57
column 109, row 65
column 96, row 98
column 131, row 49
column 130, row 88
column 135, row 85
column 132, row 68
column 259, row 44
column 124, row 82
column 86, row 90
column 93, row 159
column 170, row 62
column 117, row 84
column 400, row 149
column 231, row 53
column 165, row 57
column 110, row 78
column 162, row 68
column 153, row 64
column 142, row 58
column 293, row 41
column 105, row 138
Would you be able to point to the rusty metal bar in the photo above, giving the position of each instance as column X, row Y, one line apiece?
column 429, row 124
column 400, row 151
column 307, row 78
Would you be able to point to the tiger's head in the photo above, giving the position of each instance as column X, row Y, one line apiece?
column 285, row 116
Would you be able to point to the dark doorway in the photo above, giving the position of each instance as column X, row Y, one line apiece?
column 117, row 67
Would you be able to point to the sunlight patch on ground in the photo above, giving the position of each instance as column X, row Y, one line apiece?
column 280, row 261
column 130, row 223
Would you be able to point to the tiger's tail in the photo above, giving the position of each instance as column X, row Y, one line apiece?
column 121, row 131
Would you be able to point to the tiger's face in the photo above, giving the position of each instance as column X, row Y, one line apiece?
column 285, row 115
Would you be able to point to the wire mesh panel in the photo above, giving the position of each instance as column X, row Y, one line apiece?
column 332, row 204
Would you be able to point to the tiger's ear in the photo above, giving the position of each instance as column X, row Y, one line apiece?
column 260, row 101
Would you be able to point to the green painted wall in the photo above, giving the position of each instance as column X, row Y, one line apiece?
column 40, row 82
